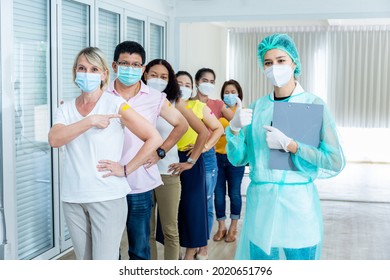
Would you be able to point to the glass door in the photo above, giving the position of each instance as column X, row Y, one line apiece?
column 33, row 174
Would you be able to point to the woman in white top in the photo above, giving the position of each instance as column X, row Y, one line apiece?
column 93, row 184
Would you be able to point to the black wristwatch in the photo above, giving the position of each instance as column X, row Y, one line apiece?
column 161, row 153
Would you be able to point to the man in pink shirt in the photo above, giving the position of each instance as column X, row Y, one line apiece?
column 128, row 64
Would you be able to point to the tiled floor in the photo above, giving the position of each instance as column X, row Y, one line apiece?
column 356, row 211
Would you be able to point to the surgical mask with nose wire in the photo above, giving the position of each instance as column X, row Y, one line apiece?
column 88, row 82
column 230, row 99
column 129, row 75
column 279, row 74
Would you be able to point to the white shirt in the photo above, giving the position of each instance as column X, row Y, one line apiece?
column 80, row 181
column 165, row 128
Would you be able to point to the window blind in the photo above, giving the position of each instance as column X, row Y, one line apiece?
column 75, row 36
column 359, row 83
column 33, row 157
column 3, row 237
column 135, row 30
column 109, row 32
column 156, row 42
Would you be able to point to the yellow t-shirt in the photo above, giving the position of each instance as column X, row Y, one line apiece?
column 190, row 136
column 220, row 147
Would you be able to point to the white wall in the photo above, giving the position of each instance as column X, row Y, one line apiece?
column 222, row 10
column 203, row 45
column 158, row 6
column 200, row 29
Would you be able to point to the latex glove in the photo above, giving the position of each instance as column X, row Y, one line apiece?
column 277, row 139
column 242, row 117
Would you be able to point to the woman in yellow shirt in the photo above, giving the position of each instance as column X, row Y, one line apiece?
column 192, row 218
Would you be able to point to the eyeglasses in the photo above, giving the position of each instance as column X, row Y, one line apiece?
column 127, row 64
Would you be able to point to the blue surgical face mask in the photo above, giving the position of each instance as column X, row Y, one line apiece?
column 88, row 82
column 129, row 75
column 230, row 99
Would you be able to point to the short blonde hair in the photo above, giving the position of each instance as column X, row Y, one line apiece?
column 96, row 57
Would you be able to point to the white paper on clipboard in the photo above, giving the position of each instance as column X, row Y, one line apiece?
column 299, row 121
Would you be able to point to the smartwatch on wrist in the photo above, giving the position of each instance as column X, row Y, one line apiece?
column 161, row 153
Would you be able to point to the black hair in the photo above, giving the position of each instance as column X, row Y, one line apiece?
column 185, row 73
column 202, row 71
column 234, row 83
column 129, row 47
column 173, row 89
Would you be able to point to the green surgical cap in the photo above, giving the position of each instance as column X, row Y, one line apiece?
column 282, row 42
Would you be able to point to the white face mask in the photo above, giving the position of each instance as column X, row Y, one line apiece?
column 206, row 88
column 157, row 83
column 279, row 75
column 185, row 92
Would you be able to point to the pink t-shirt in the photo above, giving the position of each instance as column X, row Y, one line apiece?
column 148, row 103
column 215, row 106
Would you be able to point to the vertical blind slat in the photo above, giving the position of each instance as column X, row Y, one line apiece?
column 156, row 41
column 33, row 160
column 109, row 28
column 75, row 36
column 135, row 30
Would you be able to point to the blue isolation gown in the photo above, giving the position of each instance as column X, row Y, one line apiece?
column 283, row 211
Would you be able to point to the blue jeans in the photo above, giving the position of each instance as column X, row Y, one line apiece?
column 307, row 253
column 233, row 175
column 211, row 168
column 138, row 225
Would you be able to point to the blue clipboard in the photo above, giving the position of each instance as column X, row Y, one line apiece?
column 299, row 121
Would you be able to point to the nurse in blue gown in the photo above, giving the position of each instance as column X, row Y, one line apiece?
column 283, row 217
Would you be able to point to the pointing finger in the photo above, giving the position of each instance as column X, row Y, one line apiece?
column 114, row 116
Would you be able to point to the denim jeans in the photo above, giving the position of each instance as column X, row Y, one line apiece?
column 138, row 225
column 211, row 168
column 307, row 253
column 233, row 176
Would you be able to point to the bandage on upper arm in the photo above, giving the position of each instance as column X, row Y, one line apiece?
column 125, row 107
